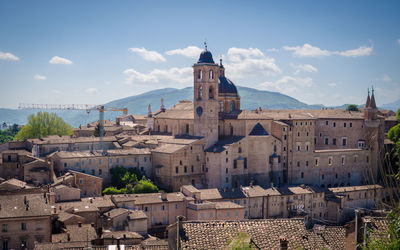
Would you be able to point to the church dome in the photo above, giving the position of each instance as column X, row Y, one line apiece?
column 226, row 86
column 206, row 57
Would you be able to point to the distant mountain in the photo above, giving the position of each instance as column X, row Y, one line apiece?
column 250, row 99
column 392, row 106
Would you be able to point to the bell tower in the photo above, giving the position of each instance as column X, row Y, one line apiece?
column 205, row 97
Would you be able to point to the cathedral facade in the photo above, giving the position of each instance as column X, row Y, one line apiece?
column 226, row 147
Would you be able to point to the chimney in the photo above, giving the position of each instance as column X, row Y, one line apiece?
column 164, row 196
column 283, row 242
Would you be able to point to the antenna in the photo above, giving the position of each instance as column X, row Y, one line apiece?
column 205, row 43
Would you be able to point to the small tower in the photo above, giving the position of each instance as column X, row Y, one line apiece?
column 205, row 97
column 150, row 119
column 149, row 114
column 370, row 111
column 162, row 107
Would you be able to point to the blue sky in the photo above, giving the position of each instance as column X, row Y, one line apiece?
column 325, row 52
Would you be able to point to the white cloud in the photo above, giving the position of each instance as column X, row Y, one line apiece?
column 55, row 91
column 248, row 62
column 92, row 91
column 59, row 60
column 398, row 41
column 8, row 56
column 308, row 50
column 39, row 77
column 386, row 78
column 304, row 67
column 189, row 51
column 332, row 84
column 362, row 51
column 148, row 55
column 272, row 50
column 240, row 54
column 288, row 84
column 172, row 75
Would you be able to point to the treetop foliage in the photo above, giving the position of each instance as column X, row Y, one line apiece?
column 129, row 181
column 352, row 107
column 43, row 124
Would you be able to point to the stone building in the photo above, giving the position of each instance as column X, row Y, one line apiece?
column 97, row 164
column 222, row 210
column 325, row 148
column 25, row 218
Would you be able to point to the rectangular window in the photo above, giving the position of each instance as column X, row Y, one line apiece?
column 351, row 124
column 326, row 141
column 23, row 226
column 306, row 163
column 185, row 169
column 176, row 170
column 145, row 159
column 343, row 160
column 344, row 141
column 298, row 163
column 298, row 148
column 226, row 170
column 334, row 141
column 344, row 125
column 245, row 163
column 235, row 164
column 284, row 137
column 334, row 124
column 110, row 161
column 192, row 168
column 307, row 147
column 330, row 160
column 117, row 161
column 93, row 173
column 99, row 161
column 100, row 172
column 4, row 228
column 326, row 123
column 226, row 179
column 316, row 161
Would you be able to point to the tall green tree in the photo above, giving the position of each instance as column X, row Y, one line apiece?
column 352, row 107
column 43, row 124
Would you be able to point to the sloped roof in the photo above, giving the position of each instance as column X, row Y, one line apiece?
column 223, row 143
column 15, row 206
column 258, row 130
column 265, row 234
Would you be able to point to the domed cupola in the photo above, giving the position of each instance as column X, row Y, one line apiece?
column 206, row 57
column 226, row 86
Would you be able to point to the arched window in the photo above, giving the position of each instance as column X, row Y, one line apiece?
column 200, row 75
column 211, row 75
column 211, row 92
column 201, row 92
column 232, row 106
column 221, row 106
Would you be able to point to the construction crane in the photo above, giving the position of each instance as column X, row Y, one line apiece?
column 87, row 107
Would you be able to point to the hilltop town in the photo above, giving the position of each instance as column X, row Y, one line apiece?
column 274, row 179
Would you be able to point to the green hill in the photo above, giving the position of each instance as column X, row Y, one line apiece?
column 250, row 99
